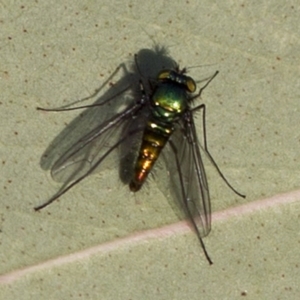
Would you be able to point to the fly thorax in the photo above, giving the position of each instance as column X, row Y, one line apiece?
column 168, row 102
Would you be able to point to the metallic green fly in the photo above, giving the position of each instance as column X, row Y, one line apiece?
column 161, row 119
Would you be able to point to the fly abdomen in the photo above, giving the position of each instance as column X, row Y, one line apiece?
column 154, row 139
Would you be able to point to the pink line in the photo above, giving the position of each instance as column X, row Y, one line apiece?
column 144, row 236
column 258, row 205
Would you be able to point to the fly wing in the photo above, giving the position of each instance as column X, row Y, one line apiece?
column 90, row 151
column 188, row 175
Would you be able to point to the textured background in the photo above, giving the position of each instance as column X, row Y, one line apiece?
column 53, row 54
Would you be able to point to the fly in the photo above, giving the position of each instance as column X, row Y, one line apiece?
column 162, row 118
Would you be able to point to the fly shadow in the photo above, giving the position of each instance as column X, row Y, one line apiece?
column 76, row 137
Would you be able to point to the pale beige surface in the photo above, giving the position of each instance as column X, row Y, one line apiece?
column 53, row 54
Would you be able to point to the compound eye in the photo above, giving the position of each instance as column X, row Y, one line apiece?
column 164, row 74
column 190, row 85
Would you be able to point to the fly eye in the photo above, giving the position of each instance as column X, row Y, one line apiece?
column 163, row 74
column 190, row 85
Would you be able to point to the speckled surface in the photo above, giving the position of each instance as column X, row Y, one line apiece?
column 54, row 54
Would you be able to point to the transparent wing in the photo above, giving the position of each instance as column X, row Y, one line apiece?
column 188, row 179
column 94, row 148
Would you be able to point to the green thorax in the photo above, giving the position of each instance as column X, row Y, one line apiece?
column 169, row 101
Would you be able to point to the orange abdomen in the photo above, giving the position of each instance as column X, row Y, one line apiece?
column 153, row 142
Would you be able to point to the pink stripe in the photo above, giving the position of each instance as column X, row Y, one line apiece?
column 142, row 236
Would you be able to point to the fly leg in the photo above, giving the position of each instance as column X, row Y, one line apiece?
column 203, row 109
column 121, row 86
